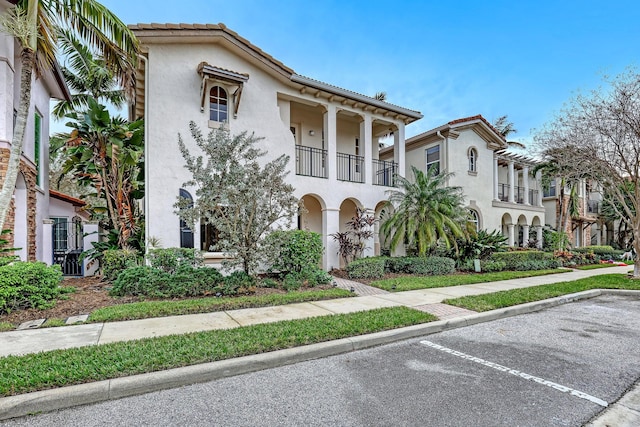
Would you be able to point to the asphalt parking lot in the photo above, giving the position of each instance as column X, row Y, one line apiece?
column 558, row 367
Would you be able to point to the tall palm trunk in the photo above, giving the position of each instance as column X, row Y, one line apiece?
column 28, row 57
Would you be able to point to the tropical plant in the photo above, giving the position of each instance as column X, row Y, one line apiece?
column 106, row 154
column 35, row 25
column 425, row 212
column 353, row 242
column 236, row 195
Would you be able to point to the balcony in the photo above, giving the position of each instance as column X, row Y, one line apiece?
column 384, row 172
column 593, row 206
column 518, row 195
column 350, row 167
column 533, row 197
column 311, row 161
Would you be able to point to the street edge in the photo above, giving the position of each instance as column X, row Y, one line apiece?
column 95, row 392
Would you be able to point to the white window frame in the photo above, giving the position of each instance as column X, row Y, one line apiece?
column 429, row 163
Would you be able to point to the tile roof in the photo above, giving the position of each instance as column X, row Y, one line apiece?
column 66, row 198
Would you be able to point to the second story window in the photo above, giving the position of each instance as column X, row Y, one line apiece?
column 473, row 160
column 218, row 103
column 550, row 190
column 433, row 159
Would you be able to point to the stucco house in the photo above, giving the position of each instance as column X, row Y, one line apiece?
column 213, row 76
column 29, row 214
column 500, row 191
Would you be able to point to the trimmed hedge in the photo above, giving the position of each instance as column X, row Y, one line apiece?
column 29, row 285
column 367, row 268
column 526, row 260
column 187, row 281
column 424, row 266
column 598, row 250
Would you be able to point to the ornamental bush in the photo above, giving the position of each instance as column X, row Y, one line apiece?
column 596, row 249
column 366, row 268
column 29, row 285
column 115, row 261
column 155, row 283
column 170, row 259
column 526, row 260
column 294, row 250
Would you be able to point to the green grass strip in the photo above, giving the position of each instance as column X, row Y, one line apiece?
column 502, row 299
column 146, row 309
column 595, row 266
column 22, row 374
column 411, row 283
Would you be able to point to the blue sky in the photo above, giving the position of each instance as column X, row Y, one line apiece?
column 448, row 59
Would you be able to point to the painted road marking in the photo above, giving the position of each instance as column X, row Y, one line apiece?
column 564, row 389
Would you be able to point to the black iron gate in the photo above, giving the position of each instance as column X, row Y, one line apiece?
column 68, row 245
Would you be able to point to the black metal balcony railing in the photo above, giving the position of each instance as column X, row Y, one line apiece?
column 384, row 172
column 503, row 192
column 533, row 197
column 311, row 161
column 350, row 167
column 593, row 206
column 519, row 195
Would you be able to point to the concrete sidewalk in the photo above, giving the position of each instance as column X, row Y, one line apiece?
column 37, row 340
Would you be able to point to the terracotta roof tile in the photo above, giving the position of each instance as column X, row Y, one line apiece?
column 66, row 198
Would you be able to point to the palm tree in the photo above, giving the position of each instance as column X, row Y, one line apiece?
column 425, row 212
column 87, row 76
column 35, row 24
column 506, row 128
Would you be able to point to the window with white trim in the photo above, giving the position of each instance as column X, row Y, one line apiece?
column 433, row 159
column 474, row 219
column 218, row 104
column 473, row 160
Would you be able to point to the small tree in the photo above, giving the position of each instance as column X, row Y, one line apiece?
column 241, row 199
column 353, row 242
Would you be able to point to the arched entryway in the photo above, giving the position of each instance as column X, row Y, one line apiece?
column 310, row 217
column 507, row 229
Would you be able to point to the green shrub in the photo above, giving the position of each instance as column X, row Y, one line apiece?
column 170, row 259
column 236, row 281
column 154, row 283
column 431, row 266
column 598, row 250
column 397, row 264
column 115, row 261
column 294, row 251
column 29, row 285
column 527, row 260
column 268, row 282
column 7, row 259
column 489, row 266
column 366, row 268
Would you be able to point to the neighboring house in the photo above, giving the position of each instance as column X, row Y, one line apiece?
column 500, row 192
column 213, row 76
column 28, row 217
column 71, row 234
column 589, row 226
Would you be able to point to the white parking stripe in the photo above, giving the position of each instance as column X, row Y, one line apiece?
column 517, row 373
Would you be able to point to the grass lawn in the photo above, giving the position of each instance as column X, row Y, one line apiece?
column 146, row 309
column 410, row 283
column 22, row 374
column 502, row 299
column 595, row 266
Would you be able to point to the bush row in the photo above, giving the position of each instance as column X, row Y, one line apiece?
column 29, row 285
column 376, row 267
column 526, row 260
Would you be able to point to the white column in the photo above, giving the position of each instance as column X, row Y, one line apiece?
column 495, row 178
column 525, row 235
column 598, row 234
column 525, row 180
column 330, row 126
column 511, row 241
column 512, row 179
column 539, row 186
column 539, row 236
column 399, row 151
column 330, row 225
column 47, row 241
column 366, row 141
column 90, row 232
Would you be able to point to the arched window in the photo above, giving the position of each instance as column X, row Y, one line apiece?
column 218, row 104
column 186, row 234
column 473, row 160
column 474, row 219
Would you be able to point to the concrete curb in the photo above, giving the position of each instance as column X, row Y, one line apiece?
column 624, row 413
column 82, row 394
